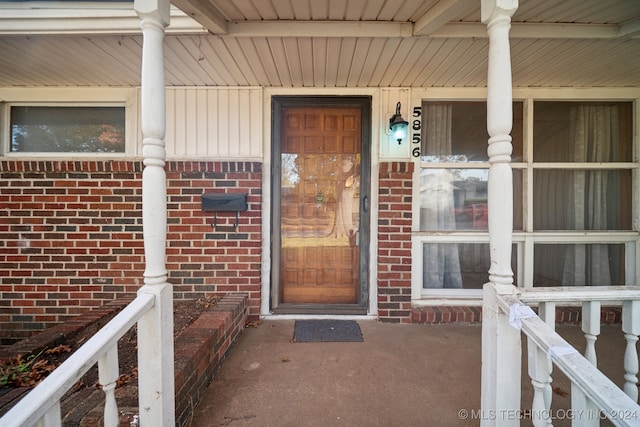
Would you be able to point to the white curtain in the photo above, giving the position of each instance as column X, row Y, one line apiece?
column 440, row 262
column 594, row 133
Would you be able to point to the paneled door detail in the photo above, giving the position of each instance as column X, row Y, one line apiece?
column 320, row 196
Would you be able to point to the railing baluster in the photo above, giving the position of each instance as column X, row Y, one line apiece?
column 538, row 365
column 547, row 312
column 52, row 418
column 591, row 329
column 631, row 329
column 108, row 373
column 586, row 413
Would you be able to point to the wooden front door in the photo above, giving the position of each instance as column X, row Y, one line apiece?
column 319, row 206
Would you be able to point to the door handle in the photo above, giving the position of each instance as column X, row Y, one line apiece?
column 365, row 203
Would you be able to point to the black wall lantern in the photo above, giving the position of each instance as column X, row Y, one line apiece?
column 398, row 126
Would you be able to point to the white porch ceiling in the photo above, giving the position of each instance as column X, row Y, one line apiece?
column 322, row 43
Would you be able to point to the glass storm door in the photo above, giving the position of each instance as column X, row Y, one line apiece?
column 320, row 199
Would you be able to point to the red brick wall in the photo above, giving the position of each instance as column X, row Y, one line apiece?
column 203, row 260
column 394, row 242
column 71, row 236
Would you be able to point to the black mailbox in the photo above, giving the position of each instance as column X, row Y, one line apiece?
column 224, row 202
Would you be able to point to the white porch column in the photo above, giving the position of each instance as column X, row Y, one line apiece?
column 155, row 328
column 501, row 346
column 497, row 15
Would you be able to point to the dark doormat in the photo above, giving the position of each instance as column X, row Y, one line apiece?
column 327, row 331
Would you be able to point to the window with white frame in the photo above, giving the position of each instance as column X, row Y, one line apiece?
column 582, row 182
column 66, row 129
column 572, row 185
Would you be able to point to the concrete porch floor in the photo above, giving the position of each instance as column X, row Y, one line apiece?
column 401, row 375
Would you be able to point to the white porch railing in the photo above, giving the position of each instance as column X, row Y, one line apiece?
column 41, row 406
column 593, row 395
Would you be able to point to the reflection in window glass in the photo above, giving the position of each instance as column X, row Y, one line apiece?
column 580, row 179
column 457, row 131
column 453, row 199
column 593, row 264
column 457, row 265
column 582, row 199
column 582, row 132
column 319, row 195
column 68, row 129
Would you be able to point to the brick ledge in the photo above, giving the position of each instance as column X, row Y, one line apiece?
column 451, row 314
column 198, row 353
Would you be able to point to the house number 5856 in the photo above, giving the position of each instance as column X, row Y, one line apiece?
column 416, row 126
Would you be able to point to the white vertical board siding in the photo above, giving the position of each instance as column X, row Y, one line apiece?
column 389, row 148
column 251, row 103
column 190, row 142
column 222, row 140
column 170, row 130
column 202, row 126
column 213, row 123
